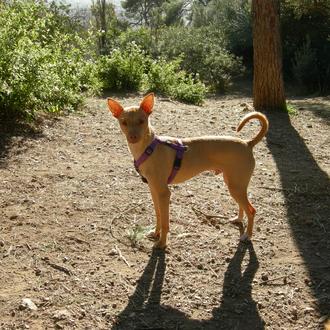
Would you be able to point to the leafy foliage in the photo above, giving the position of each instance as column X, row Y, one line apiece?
column 43, row 63
column 166, row 77
column 306, row 44
column 132, row 69
column 203, row 52
column 123, row 69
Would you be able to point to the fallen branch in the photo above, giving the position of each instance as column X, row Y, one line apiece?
column 57, row 267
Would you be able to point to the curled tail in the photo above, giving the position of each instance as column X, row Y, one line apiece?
column 264, row 126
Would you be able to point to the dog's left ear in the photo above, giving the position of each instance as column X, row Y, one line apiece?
column 147, row 103
column 115, row 108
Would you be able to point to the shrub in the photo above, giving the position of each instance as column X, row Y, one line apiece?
column 162, row 76
column 203, row 52
column 43, row 66
column 305, row 69
column 166, row 77
column 306, row 44
column 132, row 70
column 141, row 37
column 123, row 69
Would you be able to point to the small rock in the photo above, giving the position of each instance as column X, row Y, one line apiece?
column 113, row 252
column 308, row 310
column 61, row 314
column 260, row 305
column 28, row 304
column 264, row 277
column 294, row 313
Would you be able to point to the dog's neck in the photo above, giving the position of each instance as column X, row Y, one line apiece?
column 138, row 148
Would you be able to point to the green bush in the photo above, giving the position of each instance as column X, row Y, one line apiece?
column 123, row 69
column 132, row 70
column 304, row 67
column 43, row 66
column 167, row 78
column 203, row 52
column 305, row 27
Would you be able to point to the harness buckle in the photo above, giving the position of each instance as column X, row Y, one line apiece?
column 149, row 150
column 177, row 163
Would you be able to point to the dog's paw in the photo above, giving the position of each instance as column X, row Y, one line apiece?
column 153, row 235
column 245, row 238
column 238, row 223
column 160, row 245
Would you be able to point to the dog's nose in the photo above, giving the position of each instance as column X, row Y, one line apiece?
column 133, row 138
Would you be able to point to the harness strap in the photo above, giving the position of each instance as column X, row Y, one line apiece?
column 179, row 147
column 147, row 152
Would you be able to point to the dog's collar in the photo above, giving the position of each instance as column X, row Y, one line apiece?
column 178, row 146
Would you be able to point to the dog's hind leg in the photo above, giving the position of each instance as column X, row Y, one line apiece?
column 238, row 220
column 239, row 193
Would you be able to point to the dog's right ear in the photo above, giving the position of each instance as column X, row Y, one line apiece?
column 115, row 108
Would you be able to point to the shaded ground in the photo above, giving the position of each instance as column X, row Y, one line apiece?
column 71, row 207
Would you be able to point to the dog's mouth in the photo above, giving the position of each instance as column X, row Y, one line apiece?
column 133, row 141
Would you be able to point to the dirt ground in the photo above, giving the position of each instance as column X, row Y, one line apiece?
column 73, row 213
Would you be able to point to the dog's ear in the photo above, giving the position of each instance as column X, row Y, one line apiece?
column 115, row 107
column 147, row 103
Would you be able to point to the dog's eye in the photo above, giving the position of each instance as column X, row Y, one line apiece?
column 124, row 123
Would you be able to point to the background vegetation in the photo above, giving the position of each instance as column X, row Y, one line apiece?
column 51, row 54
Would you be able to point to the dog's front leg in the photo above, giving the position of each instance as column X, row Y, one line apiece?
column 161, row 197
column 156, row 233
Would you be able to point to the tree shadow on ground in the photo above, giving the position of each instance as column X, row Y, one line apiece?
column 306, row 191
column 12, row 131
column 237, row 309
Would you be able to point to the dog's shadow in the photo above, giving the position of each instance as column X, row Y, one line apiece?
column 237, row 309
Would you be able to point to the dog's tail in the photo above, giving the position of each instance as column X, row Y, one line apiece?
column 264, row 126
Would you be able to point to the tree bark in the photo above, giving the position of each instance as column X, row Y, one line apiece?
column 268, row 86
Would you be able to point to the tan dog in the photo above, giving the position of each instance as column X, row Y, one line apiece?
column 230, row 155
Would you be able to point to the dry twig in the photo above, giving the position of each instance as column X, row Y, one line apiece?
column 57, row 267
column 121, row 256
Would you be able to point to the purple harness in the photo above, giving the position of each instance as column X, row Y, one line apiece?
column 179, row 147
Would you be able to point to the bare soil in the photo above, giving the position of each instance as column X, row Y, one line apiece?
column 73, row 213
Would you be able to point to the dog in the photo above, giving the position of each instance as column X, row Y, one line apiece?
column 166, row 160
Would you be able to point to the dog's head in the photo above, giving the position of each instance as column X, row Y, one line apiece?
column 133, row 121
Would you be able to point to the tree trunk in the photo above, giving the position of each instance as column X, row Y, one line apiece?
column 103, row 22
column 268, row 86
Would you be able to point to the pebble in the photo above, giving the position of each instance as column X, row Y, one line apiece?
column 61, row 314
column 113, row 252
column 28, row 304
column 264, row 277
